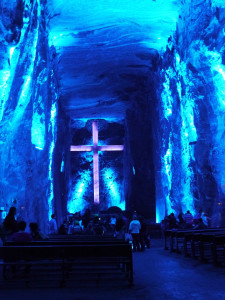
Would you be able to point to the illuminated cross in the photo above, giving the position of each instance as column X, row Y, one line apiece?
column 96, row 148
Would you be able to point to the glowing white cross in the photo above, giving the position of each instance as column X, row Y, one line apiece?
column 96, row 148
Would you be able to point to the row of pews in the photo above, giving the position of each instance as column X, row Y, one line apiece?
column 207, row 245
column 66, row 260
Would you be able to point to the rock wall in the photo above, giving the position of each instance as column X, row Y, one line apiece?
column 190, row 173
column 174, row 127
column 27, row 111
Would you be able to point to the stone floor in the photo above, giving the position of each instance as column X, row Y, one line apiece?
column 158, row 274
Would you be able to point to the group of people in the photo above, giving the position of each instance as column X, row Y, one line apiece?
column 117, row 225
column 13, row 230
column 187, row 220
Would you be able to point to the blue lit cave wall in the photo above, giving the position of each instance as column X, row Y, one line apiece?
column 173, row 130
column 111, row 186
column 28, row 111
column 191, row 104
column 61, row 165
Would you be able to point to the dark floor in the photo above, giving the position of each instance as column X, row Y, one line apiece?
column 158, row 274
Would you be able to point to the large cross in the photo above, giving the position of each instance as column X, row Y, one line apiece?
column 96, row 148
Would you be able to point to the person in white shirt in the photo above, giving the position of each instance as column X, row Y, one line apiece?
column 134, row 229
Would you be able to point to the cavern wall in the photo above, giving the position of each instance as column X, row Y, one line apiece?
column 27, row 111
column 190, row 173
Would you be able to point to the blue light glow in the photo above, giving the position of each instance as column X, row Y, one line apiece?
column 17, row 93
column 218, row 3
column 218, row 72
column 186, row 180
column 176, row 145
column 62, row 166
column 52, row 129
column 217, row 68
column 95, row 149
column 166, row 96
column 77, row 200
column 38, row 125
column 25, row 91
column 188, row 134
column 167, row 159
column 4, row 91
column 11, row 52
column 24, row 100
column 132, row 15
column 110, row 180
column 8, row 72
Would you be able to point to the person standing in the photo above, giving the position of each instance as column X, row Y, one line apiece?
column 10, row 223
column 9, row 226
column 53, row 225
column 134, row 229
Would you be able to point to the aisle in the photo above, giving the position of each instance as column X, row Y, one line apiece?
column 160, row 274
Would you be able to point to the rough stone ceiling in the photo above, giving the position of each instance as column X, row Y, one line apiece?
column 105, row 48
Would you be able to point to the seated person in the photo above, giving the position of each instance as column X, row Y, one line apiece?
column 63, row 229
column 21, row 235
column 200, row 225
column 76, row 227
column 188, row 218
column 10, row 224
column 120, row 228
column 35, row 233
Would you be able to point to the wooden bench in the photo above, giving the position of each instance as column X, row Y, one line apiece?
column 65, row 242
column 80, row 237
column 207, row 242
column 44, row 261
column 218, row 243
column 203, row 244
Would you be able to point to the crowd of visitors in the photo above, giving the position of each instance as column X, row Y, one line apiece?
column 120, row 226
column 186, row 221
column 13, row 230
column 117, row 225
